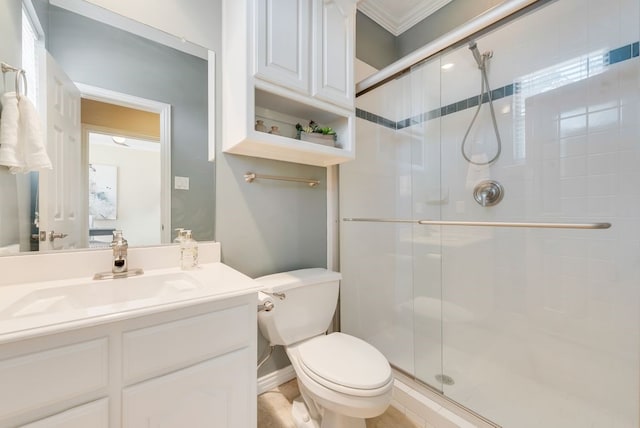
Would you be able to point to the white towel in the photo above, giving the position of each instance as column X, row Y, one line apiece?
column 22, row 145
column 31, row 137
column 9, row 131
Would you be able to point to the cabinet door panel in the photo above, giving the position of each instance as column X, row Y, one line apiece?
column 282, row 42
column 61, row 373
column 93, row 415
column 193, row 339
column 214, row 393
column 333, row 35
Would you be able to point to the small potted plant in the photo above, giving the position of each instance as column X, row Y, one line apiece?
column 314, row 133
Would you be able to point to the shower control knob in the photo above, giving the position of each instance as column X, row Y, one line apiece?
column 488, row 193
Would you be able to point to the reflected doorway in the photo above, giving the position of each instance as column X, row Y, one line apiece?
column 124, row 189
column 126, row 158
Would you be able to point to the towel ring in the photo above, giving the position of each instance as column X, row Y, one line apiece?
column 22, row 73
column 19, row 72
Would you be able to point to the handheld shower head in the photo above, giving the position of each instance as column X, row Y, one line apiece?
column 485, row 91
column 476, row 54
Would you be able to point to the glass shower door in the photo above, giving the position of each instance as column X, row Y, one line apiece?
column 528, row 327
column 376, row 258
column 540, row 326
column 420, row 125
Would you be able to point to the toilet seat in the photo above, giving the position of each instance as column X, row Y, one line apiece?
column 345, row 364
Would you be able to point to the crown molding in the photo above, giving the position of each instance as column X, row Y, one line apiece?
column 396, row 25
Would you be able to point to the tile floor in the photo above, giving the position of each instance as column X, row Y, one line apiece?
column 274, row 410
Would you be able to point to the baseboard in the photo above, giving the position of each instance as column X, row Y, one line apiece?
column 275, row 379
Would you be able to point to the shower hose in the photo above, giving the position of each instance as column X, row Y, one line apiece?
column 484, row 87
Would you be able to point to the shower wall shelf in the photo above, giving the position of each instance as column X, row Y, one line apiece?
column 307, row 75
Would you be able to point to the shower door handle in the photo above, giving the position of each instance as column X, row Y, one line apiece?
column 602, row 225
column 516, row 224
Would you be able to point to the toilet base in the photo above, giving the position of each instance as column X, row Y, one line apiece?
column 336, row 420
column 303, row 419
column 301, row 416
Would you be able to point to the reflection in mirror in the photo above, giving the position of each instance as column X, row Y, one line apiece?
column 132, row 119
column 114, row 207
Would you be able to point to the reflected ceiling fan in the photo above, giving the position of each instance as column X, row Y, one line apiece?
column 121, row 141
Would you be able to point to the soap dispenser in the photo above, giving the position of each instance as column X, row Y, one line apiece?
column 188, row 251
column 179, row 235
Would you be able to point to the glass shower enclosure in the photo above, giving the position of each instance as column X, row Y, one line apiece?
column 526, row 310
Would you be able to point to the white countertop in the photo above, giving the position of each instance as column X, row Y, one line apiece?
column 48, row 307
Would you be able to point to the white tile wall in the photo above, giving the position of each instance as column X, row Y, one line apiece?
column 537, row 327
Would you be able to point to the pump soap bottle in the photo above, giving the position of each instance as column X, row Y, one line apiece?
column 188, row 251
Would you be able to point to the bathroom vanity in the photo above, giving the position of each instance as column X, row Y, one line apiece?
column 169, row 348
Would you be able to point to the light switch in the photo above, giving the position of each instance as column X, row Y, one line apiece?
column 181, row 183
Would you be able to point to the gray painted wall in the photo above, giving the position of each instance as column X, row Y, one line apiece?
column 14, row 189
column 379, row 48
column 270, row 226
column 97, row 54
column 374, row 45
column 442, row 21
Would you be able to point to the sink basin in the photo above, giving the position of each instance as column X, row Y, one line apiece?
column 94, row 294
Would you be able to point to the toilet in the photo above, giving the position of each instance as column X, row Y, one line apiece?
column 342, row 379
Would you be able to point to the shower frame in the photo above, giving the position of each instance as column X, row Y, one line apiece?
column 464, row 34
column 484, row 23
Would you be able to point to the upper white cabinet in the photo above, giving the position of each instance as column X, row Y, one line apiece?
column 283, row 42
column 334, row 52
column 288, row 62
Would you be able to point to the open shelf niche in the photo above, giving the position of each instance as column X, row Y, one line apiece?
column 285, row 112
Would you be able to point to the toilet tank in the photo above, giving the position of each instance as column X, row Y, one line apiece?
column 305, row 308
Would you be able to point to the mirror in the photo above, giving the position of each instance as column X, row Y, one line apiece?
column 123, row 173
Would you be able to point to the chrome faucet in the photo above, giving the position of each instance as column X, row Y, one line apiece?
column 119, row 246
column 119, row 264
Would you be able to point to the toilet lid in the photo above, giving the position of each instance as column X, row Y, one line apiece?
column 345, row 360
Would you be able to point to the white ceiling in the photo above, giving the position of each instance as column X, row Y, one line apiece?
column 129, row 143
column 397, row 16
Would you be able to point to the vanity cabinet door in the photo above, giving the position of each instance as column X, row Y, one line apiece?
column 283, row 42
column 94, row 415
column 215, row 393
column 334, row 28
column 64, row 374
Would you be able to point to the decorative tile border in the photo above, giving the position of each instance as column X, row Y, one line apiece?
column 622, row 54
column 371, row 117
column 612, row 57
